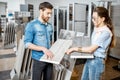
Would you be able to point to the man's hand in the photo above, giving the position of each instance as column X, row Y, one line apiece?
column 48, row 53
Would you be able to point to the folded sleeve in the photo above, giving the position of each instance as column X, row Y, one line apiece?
column 28, row 37
column 100, row 40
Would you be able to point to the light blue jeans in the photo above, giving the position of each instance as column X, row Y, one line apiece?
column 93, row 69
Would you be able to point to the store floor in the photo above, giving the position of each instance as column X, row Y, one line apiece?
column 109, row 74
column 7, row 60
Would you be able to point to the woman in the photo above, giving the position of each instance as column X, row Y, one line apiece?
column 102, row 38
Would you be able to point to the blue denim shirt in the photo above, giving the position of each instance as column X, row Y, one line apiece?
column 101, row 37
column 39, row 34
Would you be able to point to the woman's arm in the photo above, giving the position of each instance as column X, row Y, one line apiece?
column 88, row 49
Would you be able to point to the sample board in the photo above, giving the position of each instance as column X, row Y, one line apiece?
column 81, row 55
column 81, row 42
column 58, row 48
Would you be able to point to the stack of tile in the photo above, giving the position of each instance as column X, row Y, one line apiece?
column 8, row 40
column 3, row 22
column 19, row 33
column 23, row 63
column 63, row 71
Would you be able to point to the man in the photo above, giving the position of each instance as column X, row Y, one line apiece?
column 37, row 38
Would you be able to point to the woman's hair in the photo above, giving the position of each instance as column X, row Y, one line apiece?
column 45, row 5
column 103, row 12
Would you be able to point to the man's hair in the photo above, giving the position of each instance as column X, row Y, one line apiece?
column 45, row 5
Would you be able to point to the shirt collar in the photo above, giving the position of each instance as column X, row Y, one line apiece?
column 42, row 22
column 99, row 29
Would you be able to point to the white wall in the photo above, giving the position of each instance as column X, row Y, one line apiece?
column 13, row 5
column 54, row 3
column 61, row 3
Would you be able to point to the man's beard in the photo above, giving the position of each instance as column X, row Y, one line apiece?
column 45, row 19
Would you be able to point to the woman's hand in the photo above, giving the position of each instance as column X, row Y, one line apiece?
column 74, row 49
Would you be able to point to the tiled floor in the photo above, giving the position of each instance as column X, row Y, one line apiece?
column 7, row 60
